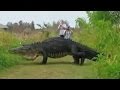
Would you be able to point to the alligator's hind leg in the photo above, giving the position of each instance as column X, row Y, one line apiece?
column 77, row 55
column 82, row 61
column 76, row 60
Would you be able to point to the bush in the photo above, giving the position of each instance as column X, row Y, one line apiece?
column 103, row 37
column 8, row 41
column 108, row 39
column 11, row 40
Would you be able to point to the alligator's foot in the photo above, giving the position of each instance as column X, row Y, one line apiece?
column 81, row 64
column 82, row 61
column 76, row 62
column 43, row 63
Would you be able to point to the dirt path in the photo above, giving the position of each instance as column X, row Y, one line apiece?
column 62, row 68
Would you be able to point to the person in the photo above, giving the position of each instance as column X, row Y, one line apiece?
column 62, row 28
column 68, row 33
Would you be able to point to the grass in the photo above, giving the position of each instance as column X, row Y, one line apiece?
column 6, row 59
column 62, row 68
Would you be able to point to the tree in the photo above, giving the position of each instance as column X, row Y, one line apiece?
column 20, row 23
column 81, row 23
column 39, row 25
column 112, row 16
column 32, row 25
column 115, row 17
column 10, row 25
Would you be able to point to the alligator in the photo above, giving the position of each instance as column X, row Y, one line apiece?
column 57, row 47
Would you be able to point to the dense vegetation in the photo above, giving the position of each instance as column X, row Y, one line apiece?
column 104, row 26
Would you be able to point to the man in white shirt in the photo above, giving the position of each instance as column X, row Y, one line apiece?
column 62, row 28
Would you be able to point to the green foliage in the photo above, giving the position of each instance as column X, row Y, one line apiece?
column 112, row 16
column 108, row 42
column 81, row 23
column 7, row 41
column 7, row 60
column 106, row 39
column 10, row 40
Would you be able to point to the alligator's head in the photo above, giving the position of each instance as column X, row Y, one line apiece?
column 92, row 55
column 25, row 50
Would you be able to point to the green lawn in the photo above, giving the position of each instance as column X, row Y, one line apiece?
column 61, row 68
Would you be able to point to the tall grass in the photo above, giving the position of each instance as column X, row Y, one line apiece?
column 104, row 38
column 8, row 41
column 108, row 42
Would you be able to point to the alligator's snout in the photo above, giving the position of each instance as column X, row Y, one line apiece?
column 15, row 50
column 12, row 50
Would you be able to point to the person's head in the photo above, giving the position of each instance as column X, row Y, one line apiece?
column 66, row 22
column 61, row 22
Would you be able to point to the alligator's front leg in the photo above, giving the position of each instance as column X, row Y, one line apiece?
column 76, row 59
column 82, row 61
column 44, row 57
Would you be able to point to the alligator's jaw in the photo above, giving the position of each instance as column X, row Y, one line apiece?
column 33, row 57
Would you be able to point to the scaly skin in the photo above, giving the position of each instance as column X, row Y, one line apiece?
column 55, row 48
